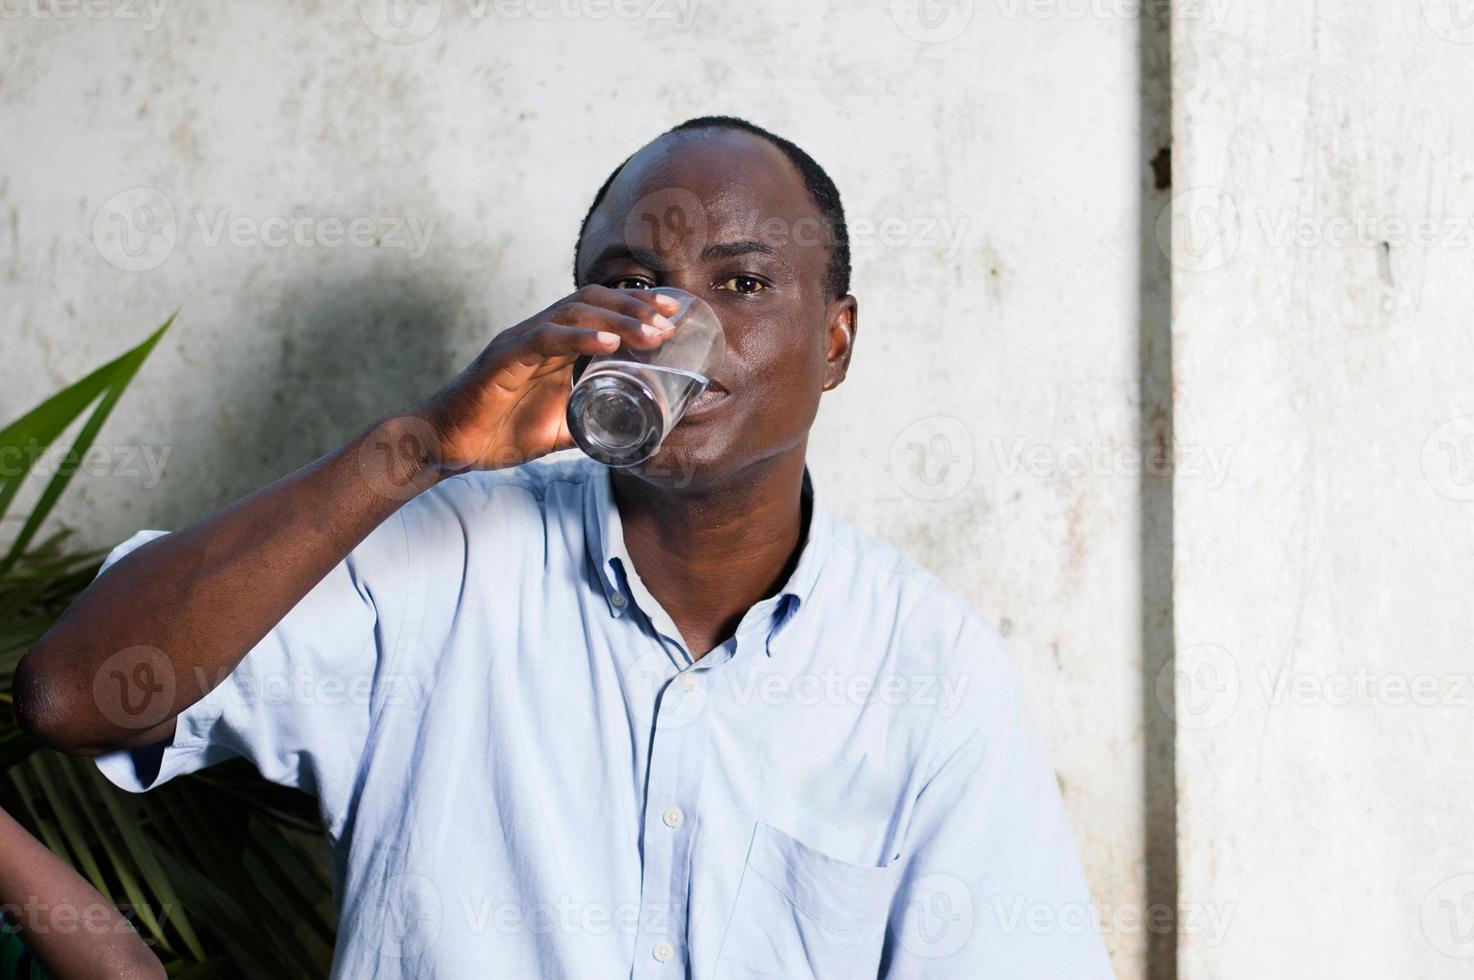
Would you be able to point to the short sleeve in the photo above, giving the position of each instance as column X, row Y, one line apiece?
column 992, row 884
column 300, row 705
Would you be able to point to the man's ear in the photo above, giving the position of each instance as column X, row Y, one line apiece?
column 841, row 323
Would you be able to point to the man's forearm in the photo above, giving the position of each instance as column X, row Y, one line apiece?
column 196, row 601
column 65, row 922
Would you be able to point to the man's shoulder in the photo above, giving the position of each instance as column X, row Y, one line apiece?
column 932, row 641
column 930, row 614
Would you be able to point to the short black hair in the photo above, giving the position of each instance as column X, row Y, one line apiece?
column 820, row 187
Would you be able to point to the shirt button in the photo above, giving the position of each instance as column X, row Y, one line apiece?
column 673, row 817
column 618, row 600
column 663, row 952
column 688, row 682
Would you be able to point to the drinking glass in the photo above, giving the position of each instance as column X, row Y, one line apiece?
column 626, row 402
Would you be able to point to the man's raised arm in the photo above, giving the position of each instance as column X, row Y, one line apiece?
column 202, row 597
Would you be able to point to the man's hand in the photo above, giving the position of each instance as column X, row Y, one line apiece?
column 508, row 406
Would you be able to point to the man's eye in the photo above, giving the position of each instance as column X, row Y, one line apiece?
column 743, row 284
column 632, row 282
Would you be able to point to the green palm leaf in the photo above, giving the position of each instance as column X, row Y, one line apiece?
column 222, row 871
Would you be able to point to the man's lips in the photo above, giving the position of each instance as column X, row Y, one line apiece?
column 714, row 395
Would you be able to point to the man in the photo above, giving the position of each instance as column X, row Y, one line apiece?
column 568, row 721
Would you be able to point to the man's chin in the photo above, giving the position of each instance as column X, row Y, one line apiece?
column 689, row 456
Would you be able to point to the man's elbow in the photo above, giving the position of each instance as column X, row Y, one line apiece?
column 42, row 709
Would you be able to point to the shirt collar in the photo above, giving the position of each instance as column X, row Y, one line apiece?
column 605, row 537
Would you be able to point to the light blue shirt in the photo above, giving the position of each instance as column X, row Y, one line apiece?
column 523, row 773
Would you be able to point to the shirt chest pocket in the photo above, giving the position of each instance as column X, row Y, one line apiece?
column 802, row 913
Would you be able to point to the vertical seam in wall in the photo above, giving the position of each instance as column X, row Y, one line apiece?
column 1155, row 436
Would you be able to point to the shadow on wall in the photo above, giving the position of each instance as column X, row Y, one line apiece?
column 347, row 353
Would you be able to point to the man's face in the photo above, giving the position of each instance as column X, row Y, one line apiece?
column 724, row 215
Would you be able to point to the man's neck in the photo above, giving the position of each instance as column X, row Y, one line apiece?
column 708, row 554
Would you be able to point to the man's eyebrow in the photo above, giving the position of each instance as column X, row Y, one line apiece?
column 730, row 250
column 620, row 251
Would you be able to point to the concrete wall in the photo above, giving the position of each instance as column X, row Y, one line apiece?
column 992, row 165
column 1324, row 245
